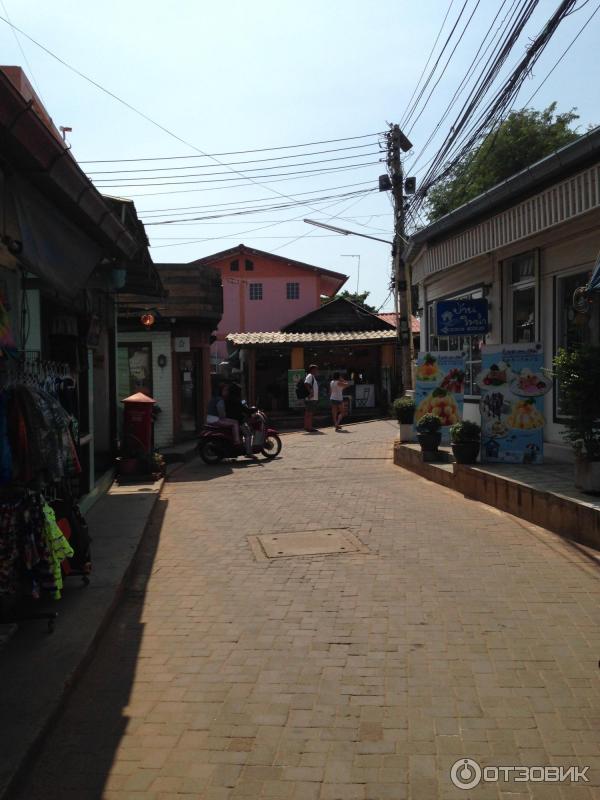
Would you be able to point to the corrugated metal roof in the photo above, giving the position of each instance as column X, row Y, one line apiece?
column 327, row 337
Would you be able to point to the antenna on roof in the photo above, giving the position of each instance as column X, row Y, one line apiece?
column 64, row 130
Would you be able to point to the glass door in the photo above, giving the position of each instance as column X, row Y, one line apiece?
column 187, row 393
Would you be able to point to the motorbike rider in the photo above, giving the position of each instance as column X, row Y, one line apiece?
column 236, row 410
column 217, row 413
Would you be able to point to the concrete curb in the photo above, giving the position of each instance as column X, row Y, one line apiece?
column 18, row 748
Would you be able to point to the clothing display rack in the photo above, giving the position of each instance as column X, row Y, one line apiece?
column 43, row 535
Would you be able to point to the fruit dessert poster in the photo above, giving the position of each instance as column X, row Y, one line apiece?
column 439, row 388
column 512, row 403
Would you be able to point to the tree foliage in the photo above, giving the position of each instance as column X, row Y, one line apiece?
column 522, row 139
column 360, row 298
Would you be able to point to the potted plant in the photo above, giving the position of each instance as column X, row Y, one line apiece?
column 465, row 438
column 404, row 409
column 429, row 434
column 578, row 375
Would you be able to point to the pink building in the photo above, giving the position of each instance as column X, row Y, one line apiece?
column 265, row 292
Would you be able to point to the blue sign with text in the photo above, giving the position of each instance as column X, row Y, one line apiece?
column 461, row 317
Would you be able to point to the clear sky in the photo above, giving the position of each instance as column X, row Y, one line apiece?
column 237, row 75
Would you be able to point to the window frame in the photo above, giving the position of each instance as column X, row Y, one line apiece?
column 234, row 266
column 290, row 292
column 511, row 289
column 255, row 289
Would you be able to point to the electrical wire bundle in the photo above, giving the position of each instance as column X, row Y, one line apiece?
column 478, row 116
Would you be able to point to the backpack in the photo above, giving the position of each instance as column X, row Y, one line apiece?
column 303, row 389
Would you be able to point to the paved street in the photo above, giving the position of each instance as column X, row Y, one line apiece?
column 462, row 632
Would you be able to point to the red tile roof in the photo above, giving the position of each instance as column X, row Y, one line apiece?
column 390, row 316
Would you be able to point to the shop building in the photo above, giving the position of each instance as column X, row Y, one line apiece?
column 525, row 246
column 168, row 357
column 263, row 291
column 340, row 336
column 64, row 252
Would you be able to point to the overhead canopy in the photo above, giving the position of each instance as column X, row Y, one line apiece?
column 53, row 247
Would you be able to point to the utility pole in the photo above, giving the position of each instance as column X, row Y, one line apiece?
column 397, row 141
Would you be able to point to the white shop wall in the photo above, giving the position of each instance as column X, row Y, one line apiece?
column 162, row 381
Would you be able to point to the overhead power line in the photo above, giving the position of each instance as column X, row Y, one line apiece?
column 443, row 72
column 468, row 130
column 243, row 212
column 243, row 152
column 250, row 200
column 431, row 52
column 138, row 112
column 306, row 172
column 410, row 112
column 566, row 50
column 233, row 163
column 226, row 172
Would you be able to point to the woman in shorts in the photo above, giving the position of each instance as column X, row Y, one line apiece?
column 336, row 398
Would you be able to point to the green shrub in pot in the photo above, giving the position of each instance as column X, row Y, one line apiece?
column 429, row 433
column 465, row 438
column 404, row 409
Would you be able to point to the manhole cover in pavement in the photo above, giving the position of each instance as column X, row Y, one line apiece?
column 310, row 543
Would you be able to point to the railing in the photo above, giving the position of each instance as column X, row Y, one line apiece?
column 562, row 202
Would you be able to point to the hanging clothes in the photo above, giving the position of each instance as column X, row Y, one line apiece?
column 58, row 547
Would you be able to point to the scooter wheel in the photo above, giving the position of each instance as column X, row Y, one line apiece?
column 272, row 446
column 210, row 452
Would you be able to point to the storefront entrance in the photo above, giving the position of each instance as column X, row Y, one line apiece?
column 188, row 394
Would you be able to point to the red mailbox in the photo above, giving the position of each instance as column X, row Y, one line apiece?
column 137, row 423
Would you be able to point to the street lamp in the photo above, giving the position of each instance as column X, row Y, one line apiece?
column 354, row 255
column 345, row 232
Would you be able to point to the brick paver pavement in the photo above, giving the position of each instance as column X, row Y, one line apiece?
column 461, row 633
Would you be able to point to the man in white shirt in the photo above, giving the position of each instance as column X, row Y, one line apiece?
column 312, row 397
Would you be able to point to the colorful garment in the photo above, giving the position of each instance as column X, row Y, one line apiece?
column 58, row 547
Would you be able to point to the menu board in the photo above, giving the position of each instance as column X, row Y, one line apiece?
column 512, row 403
column 440, row 387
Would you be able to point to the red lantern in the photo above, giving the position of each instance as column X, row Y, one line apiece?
column 147, row 320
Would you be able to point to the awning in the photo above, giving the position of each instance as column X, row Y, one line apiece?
column 54, row 249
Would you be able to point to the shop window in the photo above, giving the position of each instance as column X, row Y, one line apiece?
column 521, row 272
column 256, row 291
column 134, row 369
column 235, row 266
column 574, row 328
column 471, row 345
column 249, row 265
column 293, row 291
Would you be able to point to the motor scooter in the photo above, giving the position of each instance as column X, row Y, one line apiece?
column 216, row 442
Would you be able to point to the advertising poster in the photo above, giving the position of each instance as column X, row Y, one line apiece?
column 439, row 388
column 512, row 403
column 294, row 376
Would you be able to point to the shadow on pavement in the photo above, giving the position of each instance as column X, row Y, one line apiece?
column 197, row 470
column 77, row 753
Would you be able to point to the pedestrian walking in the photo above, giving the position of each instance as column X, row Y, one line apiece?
column 336, row 398
column 312, row 397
